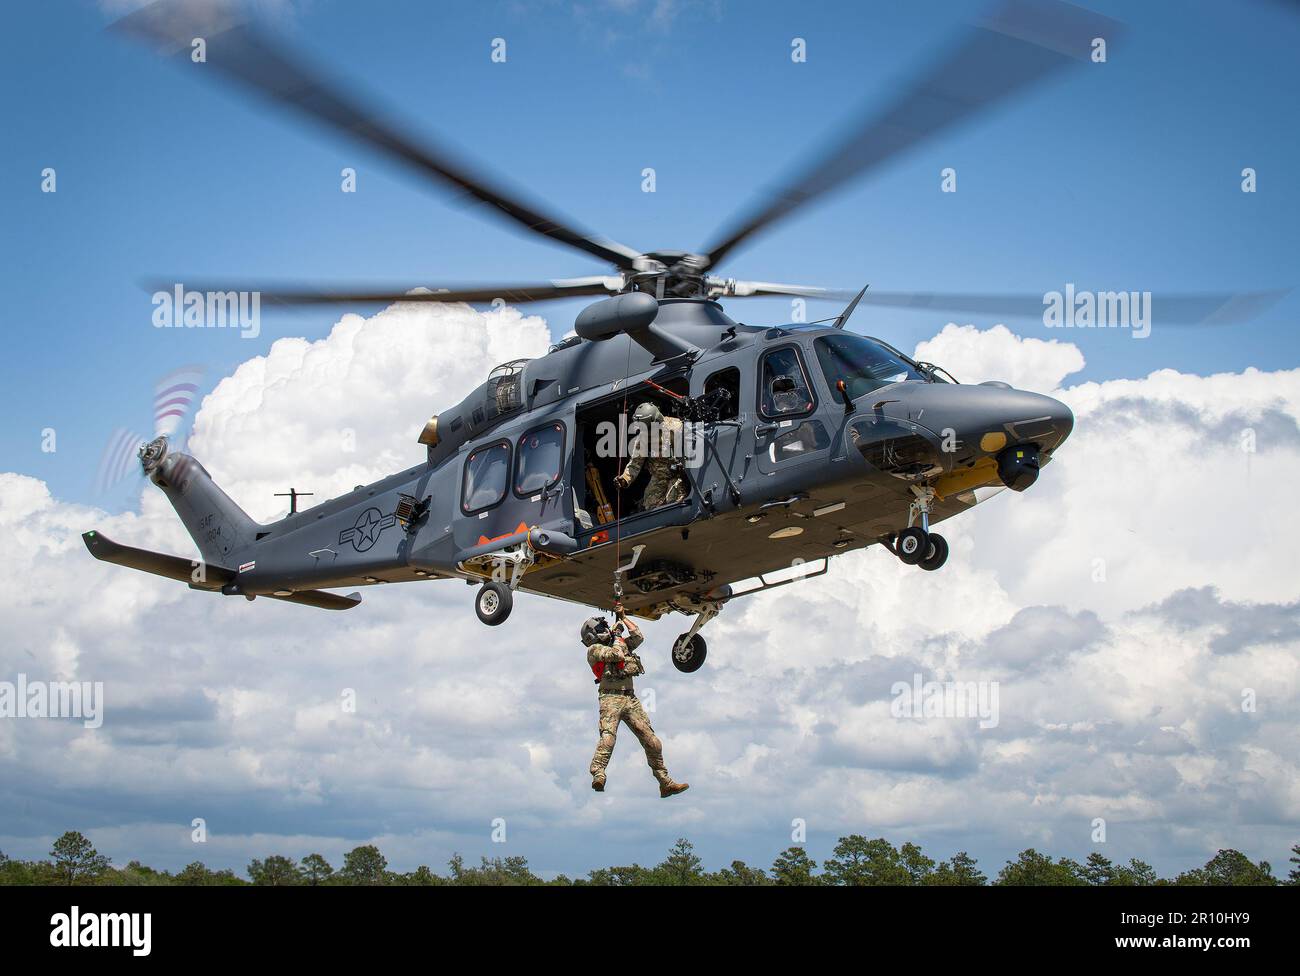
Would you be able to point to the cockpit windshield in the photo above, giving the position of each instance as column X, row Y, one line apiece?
column 863, row 364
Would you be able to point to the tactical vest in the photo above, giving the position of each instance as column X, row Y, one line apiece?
column 598, row 667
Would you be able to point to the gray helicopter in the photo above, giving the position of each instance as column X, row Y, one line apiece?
column 800, row 441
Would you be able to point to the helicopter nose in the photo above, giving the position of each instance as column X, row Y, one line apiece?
column 1062, row 419
column 986, row 430
column 989, row 415
column 1028, row 417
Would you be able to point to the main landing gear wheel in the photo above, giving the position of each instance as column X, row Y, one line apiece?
column 494, row 603
column 688, row 655
column 936, row 553
column 913, row 545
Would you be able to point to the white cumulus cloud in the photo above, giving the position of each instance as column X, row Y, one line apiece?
column 974, row 356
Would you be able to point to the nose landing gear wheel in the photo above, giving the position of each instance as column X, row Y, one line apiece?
column 936, row 554
column 688, row 656
column 494, row 603
column 913, row 545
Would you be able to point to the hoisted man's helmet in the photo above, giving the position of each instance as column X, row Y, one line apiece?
column 648, row 413
column 595, row 630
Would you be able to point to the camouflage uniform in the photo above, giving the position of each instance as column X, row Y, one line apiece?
column 665, row 485
column 618, row 703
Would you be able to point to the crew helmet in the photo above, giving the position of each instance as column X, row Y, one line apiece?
column 595, row 630
column 648, row 413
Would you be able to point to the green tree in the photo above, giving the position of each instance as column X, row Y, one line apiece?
column 740, row 874
column 134, row 874
column 423, row 876
column 962, row 869
column 1293, row 878
column 1135, row 873
column 195, row 873
column 1229, row 867
column 681, row 866
column 620, row 877
column 456, row 867
column 19, row 872
column 793, row 866
column 499, row 872
column 858, row 861
column 316, row 870
column 1032, row 868
column 276, row 870
column 75, row 859
column 363, row 866
column 1098, row 870
column 915, row 863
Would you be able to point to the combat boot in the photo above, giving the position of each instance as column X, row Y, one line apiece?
column 598, row 782
column 667, row 787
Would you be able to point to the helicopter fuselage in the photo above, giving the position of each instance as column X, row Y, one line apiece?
column 783, row 479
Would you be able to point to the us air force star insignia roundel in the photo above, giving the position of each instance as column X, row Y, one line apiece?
column 365, row 533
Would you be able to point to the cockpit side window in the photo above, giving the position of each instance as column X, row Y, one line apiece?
column 862, row 364
column 784, row 390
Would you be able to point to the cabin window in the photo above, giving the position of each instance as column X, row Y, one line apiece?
column 487, row 474
column 728, row 405
column 785, row 391
column 538, row 459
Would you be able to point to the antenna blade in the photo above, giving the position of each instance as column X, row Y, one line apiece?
column 843, row 317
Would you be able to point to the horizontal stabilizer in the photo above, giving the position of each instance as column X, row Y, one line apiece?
column 208, row 578
column 198, row 575
column 319, row 598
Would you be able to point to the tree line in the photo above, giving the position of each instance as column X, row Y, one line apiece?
column 856, row 860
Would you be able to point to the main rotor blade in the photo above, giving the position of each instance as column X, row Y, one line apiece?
column 254, row 60
column 1172, row 308
column 1166, row 308
column 1012, row 49
column 514, row 294
column 730, row 288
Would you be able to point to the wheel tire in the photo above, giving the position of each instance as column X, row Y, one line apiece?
column 494, row 603
column 937, row 554
column 689, row 657
column 913, row 545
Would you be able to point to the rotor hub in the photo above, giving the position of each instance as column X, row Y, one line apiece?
column 153, row 454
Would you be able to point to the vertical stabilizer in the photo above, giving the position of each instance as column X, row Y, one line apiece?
column 219, row 527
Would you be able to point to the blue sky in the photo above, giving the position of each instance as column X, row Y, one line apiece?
column 1119, row 176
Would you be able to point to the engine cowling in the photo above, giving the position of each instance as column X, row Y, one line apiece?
column 631, row 312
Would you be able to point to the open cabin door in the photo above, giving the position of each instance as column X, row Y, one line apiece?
column 604, row 433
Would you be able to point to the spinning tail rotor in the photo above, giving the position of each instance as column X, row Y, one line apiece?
column 174, row 396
